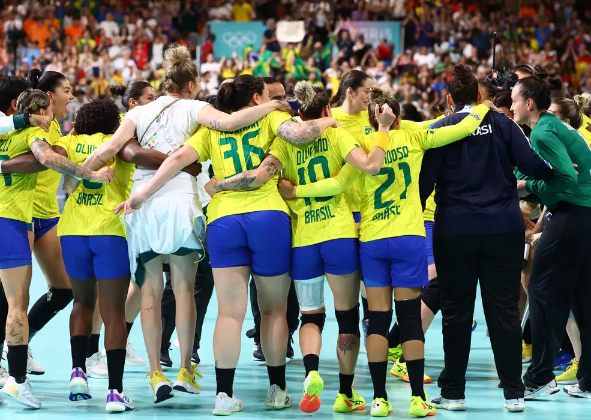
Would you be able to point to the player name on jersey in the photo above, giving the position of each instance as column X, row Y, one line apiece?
column 320, row 145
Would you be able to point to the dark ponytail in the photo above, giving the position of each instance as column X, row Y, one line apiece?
column 117, row 90
column 536, row 89
column 235, row 95
column 354, row 80
column 47, row 82
column 134, row 91
column 463, row 86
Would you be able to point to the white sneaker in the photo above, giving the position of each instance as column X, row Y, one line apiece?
column 96, row 367
column 33, row 367
column 131, row 358
column 224, row 405
column 79, row 386
column 515, row 406
column 3, row 376
column 451, row 405
column 543, row 391
column 575, row 391
column 21, row 393
column 278, row 398
column 118, row 402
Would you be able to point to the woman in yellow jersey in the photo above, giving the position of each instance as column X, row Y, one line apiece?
column 393, row 245
column 42, row 237
column 16, row 211
column 172, row 224
column 95, row 254
column 324, row 241
column 260, row 239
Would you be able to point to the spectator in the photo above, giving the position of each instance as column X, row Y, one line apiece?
column 109, row 26
column 270, row 37
column 221, row 11
column 242, row 11
column 75, row 30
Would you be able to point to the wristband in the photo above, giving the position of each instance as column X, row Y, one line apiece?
column 382, row 140
column 18, row 121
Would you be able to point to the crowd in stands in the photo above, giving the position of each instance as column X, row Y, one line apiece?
column 112, row 42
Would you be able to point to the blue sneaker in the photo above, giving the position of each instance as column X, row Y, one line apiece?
column 79, row 386
column 563, row 361
column 474, row 325
column 118, row 402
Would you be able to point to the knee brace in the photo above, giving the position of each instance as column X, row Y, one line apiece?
column 408, row 314
column 310, row 293
column 379, row 322
column 59, row 298
column 348, row 321
column 317, row 319
column 431, row 296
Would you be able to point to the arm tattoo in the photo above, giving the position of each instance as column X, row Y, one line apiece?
column 216, row 125
column 269, row 166
column 245, row 180
column 58, row 163
column 299, row 133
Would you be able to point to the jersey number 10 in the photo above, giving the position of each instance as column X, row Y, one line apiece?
column 318, row 160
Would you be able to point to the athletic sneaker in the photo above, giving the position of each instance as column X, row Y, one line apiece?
column 131, row 358
column 550, row 388
column 380, row 408
column 575, row 391
column 400, row 371
column 21, row 393
column 96, row 367
column 364, row 326
column 450, row 405
column 257, row 353
column 118, row 402
column 313, row 386
column 563, row 361
column 33, row 368
column 420, row 407
column 526, row 352
column 165, row 359
column 186, row 382
column 3, row 376
column 515, row 406
column 278, row 398
column 344, row 404
column 161, row 387
column 79, row 386
column 570, row 376
column 394, row 353
column 224, row 405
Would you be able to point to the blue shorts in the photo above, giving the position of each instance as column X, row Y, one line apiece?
column 95, row 257
column 396, row 262
column 14, row 244
column 260, row 240
column 429, row 231
column 42, row 226
column 357, row 216
column 338, row 257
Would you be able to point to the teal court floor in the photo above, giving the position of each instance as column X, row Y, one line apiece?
column 51, row 348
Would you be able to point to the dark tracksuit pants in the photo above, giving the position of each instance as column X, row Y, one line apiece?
column 293, row 310
column 496, row 261
column 561, row 279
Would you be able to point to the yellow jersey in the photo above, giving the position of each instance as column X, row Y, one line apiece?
column 430, row 207
column 17, row 190
column 584, row 129
column 89, row 210
column 391, row 204
column 235, row 152
column 320, row 219
column 45, row 199
column 358, row 125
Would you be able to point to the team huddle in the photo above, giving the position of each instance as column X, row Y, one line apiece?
column 333, row 194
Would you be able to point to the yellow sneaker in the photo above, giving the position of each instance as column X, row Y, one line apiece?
column 186, row 382
column 399, row 370
column 526, row 350
column 570, row 376
column 421, row 407
column 313, row 386
column 344, row 404
column 161, row 387
column 380, row 408
column 394, row 353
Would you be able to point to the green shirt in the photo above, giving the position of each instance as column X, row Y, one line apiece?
column 561, row 146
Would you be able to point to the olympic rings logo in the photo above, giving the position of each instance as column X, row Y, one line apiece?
column 239, row 38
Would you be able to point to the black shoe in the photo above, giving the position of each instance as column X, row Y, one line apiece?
column 290, row 352
column 165, row 359
column 195, row 357
column 257, row 353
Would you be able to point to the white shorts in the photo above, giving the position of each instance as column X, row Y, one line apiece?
column 170, row 221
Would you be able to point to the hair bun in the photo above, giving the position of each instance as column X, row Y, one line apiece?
column 177, row 55
column 380, row 94
column 304, row 93
column 583, row 101
column 462, row 72
column 117, row 90
column 34, row 76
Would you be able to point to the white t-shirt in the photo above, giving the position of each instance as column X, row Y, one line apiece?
column 169, row 130
column 110, row 28
column 429, row 59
